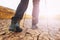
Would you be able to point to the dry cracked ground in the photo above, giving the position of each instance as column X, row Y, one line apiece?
column 42, row 33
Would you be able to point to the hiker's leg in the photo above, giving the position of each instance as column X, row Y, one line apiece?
column 35, row 12
column 19, row 15
column 20, row 10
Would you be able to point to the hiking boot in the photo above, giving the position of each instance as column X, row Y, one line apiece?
column 34, row 27
column 15, row 27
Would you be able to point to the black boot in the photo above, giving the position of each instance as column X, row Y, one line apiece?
column 14, row 27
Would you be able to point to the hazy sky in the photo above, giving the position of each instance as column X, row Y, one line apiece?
column 50, row 7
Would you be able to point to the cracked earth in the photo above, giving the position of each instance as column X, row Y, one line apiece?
column 44, row 31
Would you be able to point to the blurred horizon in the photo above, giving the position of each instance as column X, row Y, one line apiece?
column 8, row 13
column 48, row 8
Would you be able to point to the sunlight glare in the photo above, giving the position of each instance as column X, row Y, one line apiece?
column 49, row 8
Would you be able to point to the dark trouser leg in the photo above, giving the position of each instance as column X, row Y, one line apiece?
column 18, row 16
column 20, row 10
column 35, row 12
